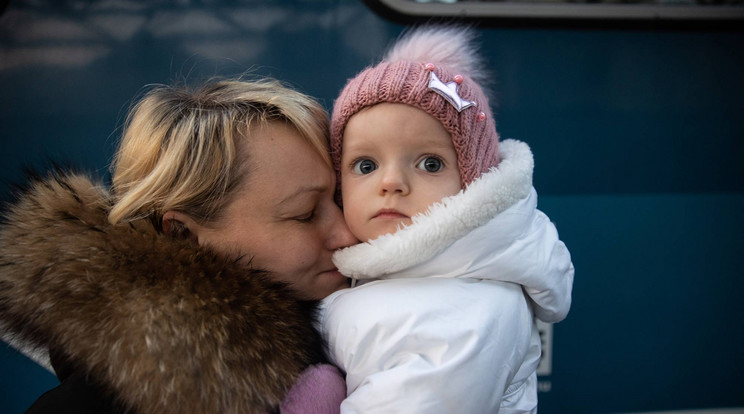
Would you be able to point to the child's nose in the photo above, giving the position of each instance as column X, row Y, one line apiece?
column 394, row 181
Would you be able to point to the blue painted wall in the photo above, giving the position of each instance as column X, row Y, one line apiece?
column 638, row 137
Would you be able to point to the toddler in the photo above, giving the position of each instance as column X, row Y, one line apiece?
column 455, row 260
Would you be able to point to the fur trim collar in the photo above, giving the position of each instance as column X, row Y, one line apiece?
column 446, row 221
column 168, row 327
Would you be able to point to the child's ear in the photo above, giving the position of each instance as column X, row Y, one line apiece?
column 180, row 225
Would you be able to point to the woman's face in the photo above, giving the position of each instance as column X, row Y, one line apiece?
column 284, row 218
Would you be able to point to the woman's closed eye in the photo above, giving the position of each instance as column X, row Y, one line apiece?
column 363, row 166
column 305, row 218
column 431, row 164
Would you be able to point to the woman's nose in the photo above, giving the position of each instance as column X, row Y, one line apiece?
column 339, row 234
column 393, row 181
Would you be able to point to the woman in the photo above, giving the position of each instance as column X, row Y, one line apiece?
column 191, row 285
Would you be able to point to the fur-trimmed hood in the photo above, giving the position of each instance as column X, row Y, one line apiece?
column 444, row 222
column 491, row 230
column 166, row 326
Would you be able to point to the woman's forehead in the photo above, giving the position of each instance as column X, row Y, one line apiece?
column 284, row 165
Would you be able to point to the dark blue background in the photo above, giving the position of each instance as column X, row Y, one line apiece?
column 638, row 137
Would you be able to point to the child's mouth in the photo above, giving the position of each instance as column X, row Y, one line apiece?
column 390, row 214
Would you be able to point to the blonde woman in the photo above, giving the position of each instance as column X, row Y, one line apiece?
column 190, row 285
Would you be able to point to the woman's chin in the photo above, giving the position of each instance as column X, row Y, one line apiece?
column 329, row 282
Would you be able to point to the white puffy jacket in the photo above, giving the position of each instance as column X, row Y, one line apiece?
column 442, row 319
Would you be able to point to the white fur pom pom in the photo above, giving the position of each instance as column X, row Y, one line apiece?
column 447, row 46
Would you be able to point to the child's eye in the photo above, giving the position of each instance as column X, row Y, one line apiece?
column 431, row 164
column 364, row 166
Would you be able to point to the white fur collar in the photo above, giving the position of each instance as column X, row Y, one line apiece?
column 445, row 222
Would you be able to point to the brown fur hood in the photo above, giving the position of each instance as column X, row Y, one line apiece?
column 167, row 326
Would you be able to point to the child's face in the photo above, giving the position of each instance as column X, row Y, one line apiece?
column 396, row 161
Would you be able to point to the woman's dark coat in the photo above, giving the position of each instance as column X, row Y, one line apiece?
column 161, row 325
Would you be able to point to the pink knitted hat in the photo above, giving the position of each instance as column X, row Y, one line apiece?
column 433, row 69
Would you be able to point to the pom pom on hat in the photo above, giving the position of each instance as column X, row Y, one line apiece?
column 449, row 47
column 404, row 76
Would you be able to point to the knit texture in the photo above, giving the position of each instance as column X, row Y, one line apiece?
column 398, row 80
column 319, row 390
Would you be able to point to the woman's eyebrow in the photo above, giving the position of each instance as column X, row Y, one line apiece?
column 301, row 190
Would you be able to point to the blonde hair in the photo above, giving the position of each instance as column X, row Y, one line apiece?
column 180, row 149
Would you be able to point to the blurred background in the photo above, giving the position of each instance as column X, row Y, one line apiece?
column 635, row 117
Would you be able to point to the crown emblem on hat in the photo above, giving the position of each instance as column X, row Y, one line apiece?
column 449, row 92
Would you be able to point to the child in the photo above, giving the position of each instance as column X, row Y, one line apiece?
column 456, row 259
